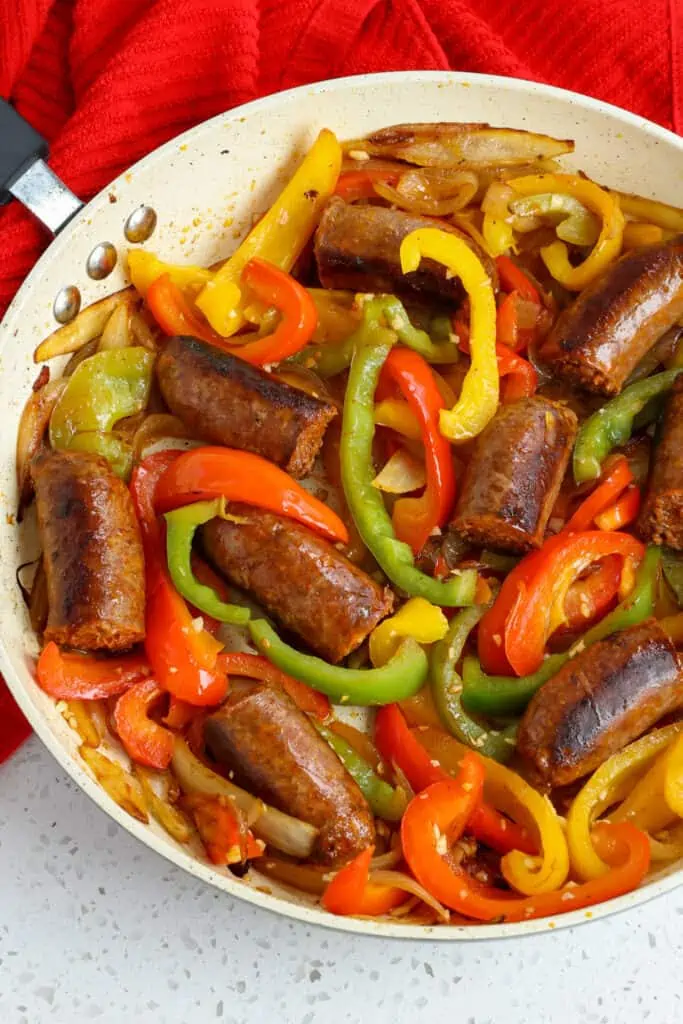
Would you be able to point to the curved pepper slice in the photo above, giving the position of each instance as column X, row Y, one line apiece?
column 513, row 279
column 419, row 619
column 646, row 806
column 144, row 268
column 479, row 396
column 70, row 676
column 253, row 666
column 174, row 313
column 400, row 678
column 145, row 740
column 518, row 376
column 621, row 512
column 351, row 893
column 385, row 801
column 615, row 481
column 211, row 472
column 595, row 199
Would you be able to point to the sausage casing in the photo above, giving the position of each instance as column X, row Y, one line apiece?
column 661, row 518
column 277, row 754
column 299, row 577
column 599, row 340
column 225, row 400
column 515, row 474
column 92, row 553
column 602, row 699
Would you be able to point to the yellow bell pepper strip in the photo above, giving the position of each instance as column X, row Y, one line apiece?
column 278, row 237
column 636, row 235
column 645, row 805
column 479, row 396
column 498, row 235
column 613, row 780
column 670, row 218
column 417, row 618
column 668, row 845
column 673, row 780
column 144, row 268
column 595, row 199
column 374, row 342
column 397, row 415
column 573, row 222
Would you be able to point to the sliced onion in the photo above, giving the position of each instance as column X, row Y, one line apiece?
column 669, row 218
column 496, row 201
column 388, row 860
column 402, row 474
column 463, row 221
column 305, row 379
column 154, row 428
column 116, row 333
column 79, row 357
column 304, row 877
column 38, row 605
column 87, row 325
column 288, row 834
column 142, row 333
column 400, row 880
column 431, row 198
column 32, row 426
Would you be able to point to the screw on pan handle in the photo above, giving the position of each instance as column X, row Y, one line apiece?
column 25, row 176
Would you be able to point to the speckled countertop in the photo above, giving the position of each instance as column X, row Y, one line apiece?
column 95, row 927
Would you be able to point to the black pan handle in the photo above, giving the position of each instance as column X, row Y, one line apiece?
column 25, row 176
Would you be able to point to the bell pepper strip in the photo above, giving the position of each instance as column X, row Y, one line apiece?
column 419, row 619
column 505, row 695
column 143, row 488
column 208, row 473
column 397, row 319
column 365, row 503
column 144, row 268
column 414, row 519
column 636, row 235
column 645, row 804
column 144, row 740
column 253, row 666
column 668, row 845
column 220, row 831
column 507, row 326
column 279, row 236
column 612, row 781
column 513, row 279
column 457, row 798
column 174, row 313
column 103, row 389
column 65, row 675
column 596, row 200
column 446, row 687
column 573, row 222
column 611, row 426
column 398, row 745
column 180, row 714
column 498, row 235
column 615, row 480
column 519, row 376
column 385, row 801
column 622, row 512
column 479, row 396
column 530, row 603
column 351, row 893
column 354, row 185
column 673, row 781
column 396, row 415
column 181, row 526
column 401, row 677
column 591, row 596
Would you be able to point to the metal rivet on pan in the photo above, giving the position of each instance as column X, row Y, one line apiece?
column 67, row 304
column 101, row 261
column 140, row 224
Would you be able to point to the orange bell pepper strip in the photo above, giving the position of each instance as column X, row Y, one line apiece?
column 414, row 519
column 530, row 604
column 617, row 478
column 145, row 741
column 180, row 714
column 519, row 376
column 622, row 512
column 353, row 185
column 513, row 279
column 212, row 472
column 175, row 315
column 254, row 666
column 220, row 832
column 590, row 597
column 69, row 676
column 397, row 745
column 350, row 892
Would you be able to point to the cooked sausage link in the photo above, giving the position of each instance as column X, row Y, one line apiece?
column 661, row 518
column 599, row 339
column 599, row 701
column 277, row 754
column 515, row 474
column 299, row 577
column 358, row 247
column 92, row 553
column 225, row 400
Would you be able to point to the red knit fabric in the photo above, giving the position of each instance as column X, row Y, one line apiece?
column 108, row 80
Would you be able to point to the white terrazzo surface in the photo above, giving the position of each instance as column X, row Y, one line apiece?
column 94, row 927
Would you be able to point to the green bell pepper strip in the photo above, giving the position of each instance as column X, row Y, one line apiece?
column 385, row 801
column 399, row 679
column 116, row 450
column 672, row 565
column 506, row 695
column 365, row 501
column 181, row 525
column 446, row 686
column 613, row 424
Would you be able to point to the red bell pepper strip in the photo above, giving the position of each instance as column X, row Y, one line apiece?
column 522, row 379
column 253, row 666
column 625, row 847
column 353, row 185
column 616, row 480
column 350, row 892
column 145, row 740
column 507, row 325
column 180, row 714
column 452, row 799
column 15, row 729
column 622, row 512
column 206, row 473
column 414, row 519
column 220, row 831
column 143, row 487
column 398, row 745
column 175, row 315
column 530, row 604
column 513, row 279
column 590, row 597
column 68, row 676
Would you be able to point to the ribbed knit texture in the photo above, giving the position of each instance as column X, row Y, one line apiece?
column 108, row 80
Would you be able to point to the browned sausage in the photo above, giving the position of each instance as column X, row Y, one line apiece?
column 515, row 474
column 661, row 518
column 599, row 340
column 605, row 697
column 227, row 401
column 299, row 578
column 92, row 553
column 275, row 752
column 358, row 247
